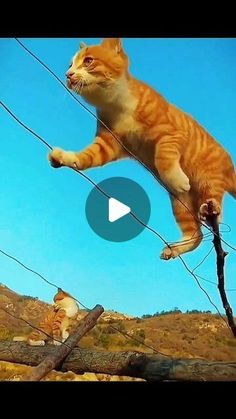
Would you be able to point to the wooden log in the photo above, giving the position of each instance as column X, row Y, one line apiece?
column 134, row 364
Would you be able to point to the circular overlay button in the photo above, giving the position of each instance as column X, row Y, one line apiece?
column 111, row 218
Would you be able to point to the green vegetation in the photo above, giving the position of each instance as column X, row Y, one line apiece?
column 5, row 334
column 22, row 298
column 139, row 334
column 174, row 311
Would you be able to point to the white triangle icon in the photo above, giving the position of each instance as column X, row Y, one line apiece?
column 117, row 210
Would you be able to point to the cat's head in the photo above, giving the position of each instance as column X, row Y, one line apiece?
column 96, row 67
column 65, row 301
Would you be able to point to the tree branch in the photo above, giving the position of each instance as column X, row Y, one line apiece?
column 53, row 359
column 220, row 261
column 133, row 364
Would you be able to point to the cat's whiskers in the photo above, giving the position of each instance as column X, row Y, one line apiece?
column 77, row 86
column 82, row 86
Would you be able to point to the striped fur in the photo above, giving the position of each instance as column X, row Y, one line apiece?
column 55, row 324
column 186, row 158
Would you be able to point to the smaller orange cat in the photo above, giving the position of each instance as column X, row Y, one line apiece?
column 56, row 322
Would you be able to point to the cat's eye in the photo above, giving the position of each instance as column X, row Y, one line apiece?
column 88, row 61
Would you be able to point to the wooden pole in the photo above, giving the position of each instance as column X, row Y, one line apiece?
column 59, row 353
column 220, row 261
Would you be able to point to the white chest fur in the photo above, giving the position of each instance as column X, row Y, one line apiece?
column 70, row 306
column 125, row 124
column 116, row 106
column 120, row 115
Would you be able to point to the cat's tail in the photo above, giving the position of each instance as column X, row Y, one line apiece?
column 19, row 339
column 232, row 190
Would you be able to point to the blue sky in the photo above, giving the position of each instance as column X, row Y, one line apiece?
column 42, row 210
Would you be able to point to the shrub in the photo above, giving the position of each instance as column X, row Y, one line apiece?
column 120, row 325
column 104, row 340
column 139, row 335
column 22, row 298
column 231, row 342
column 109, row 330
column 5, row 334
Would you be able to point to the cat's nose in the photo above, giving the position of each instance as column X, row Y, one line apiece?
column 69, row 74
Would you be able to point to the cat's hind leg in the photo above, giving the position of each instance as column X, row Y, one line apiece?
column 37, row 337
column 214, row 183
column 64, row 336
column 186, row 218
column 57, row 326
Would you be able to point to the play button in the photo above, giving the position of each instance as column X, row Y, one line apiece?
column 112, row 216
column 117, row 210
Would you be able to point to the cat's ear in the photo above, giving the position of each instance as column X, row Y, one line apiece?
column 82, row 45
column 112, row 43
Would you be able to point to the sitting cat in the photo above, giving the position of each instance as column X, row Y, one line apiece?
column 56, row 322
column 182, row 154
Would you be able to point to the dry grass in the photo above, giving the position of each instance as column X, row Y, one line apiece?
column 16, row 372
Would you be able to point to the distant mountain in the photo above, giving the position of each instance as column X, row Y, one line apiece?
column 195, row 335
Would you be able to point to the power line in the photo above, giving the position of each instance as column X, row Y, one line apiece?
column 27, row 268
column 201, row 287
column 25, row 126
column 203, row 260
column 214, row 283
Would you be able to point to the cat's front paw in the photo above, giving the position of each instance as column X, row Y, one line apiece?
column 65, row 335
column 55, row 157
column 57, row 343
column 36, row 342
column 59, row 158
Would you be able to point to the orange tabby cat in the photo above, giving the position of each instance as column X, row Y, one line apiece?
column 194, row 167
column 56, row 322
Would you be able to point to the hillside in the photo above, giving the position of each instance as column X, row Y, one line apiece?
column 181, row 335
